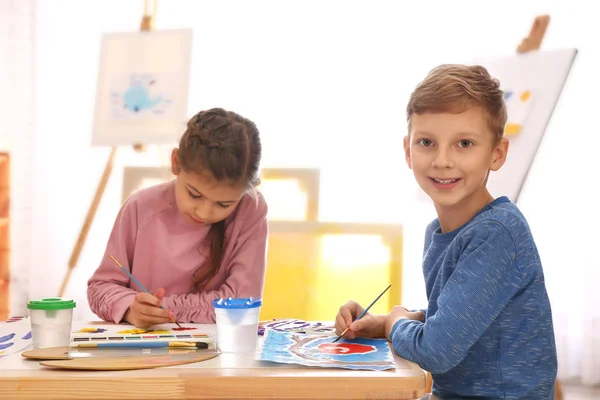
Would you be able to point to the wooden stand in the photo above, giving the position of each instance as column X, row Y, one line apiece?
column 536, row 35
column 147, row 24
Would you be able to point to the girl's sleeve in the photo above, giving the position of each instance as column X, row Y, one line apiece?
column 485, row 279
column 246, row 273
column 109, row 294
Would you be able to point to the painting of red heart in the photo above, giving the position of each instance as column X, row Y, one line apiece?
column 320, row 351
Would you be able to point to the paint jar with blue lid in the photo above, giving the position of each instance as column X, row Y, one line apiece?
column 51, row 319
column 237, row 324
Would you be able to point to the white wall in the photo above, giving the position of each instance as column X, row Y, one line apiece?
column 327, row 83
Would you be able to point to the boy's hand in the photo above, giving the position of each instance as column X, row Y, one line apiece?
column 145, row 310
column 398, row 313
column 368, row 326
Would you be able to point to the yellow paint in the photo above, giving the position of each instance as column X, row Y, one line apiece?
column 512, row 129
column 132, row 331
column 525, row 95
column 92, row 330
column 136, row 331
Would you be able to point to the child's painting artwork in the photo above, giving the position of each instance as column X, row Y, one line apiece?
column 142, row 88
column 113, row 333
column 320, row 351
column 143, row 96
column 296, row 326
column 518, row 103
column 15, row 336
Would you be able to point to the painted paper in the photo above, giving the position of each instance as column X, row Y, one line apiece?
column 296, row 325
column 15, row 336
column 318, row 350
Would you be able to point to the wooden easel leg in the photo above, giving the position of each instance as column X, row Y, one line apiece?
column 88, row 219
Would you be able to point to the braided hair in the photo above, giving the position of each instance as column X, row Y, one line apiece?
column 227, row 146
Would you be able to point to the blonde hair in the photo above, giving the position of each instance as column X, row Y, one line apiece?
column 454, row 88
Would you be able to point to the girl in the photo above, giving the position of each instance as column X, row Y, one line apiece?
column 199, row 237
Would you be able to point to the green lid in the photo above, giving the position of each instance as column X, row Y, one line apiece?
column 51, row 303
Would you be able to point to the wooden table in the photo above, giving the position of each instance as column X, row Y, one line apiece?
column 228, row 376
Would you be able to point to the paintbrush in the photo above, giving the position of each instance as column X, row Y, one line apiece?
column 362, row 314
column 139, row 284
column 145, row 345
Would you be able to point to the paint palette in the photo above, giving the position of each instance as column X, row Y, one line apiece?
column 120, row 333
column 127, row 363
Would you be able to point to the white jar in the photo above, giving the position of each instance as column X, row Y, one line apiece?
column 237, row 324
column 51, row 319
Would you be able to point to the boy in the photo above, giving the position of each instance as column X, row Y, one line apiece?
column 487, row 331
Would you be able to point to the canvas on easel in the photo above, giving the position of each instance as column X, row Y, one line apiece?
column 141, row 99
column 142, row 89
column 532, row 83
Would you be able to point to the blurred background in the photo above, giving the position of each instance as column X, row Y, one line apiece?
column 327, row 83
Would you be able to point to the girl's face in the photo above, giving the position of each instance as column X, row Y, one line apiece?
column 201, row 198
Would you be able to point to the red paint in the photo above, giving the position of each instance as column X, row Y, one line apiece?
column 345, row 348
column 183, row 329
column 150, row 337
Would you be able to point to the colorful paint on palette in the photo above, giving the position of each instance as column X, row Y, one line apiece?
column 184, row 329
column 136, row 331
column 114, row 333
column 91, row 330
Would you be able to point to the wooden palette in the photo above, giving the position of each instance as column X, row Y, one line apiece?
column 126, row 363
column 51, row 353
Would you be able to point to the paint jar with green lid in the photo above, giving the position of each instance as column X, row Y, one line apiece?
column 51, row 319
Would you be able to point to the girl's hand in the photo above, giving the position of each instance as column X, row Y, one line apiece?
column 145, row 310
column 370, row 325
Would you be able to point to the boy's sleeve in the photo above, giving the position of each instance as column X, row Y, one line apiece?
column 485, row 279
column 109, row 294
column 246, row 277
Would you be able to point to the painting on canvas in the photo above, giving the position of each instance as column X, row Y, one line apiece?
column 532, row 84
column 319, row 351
column 518, row 104
column 142, row 88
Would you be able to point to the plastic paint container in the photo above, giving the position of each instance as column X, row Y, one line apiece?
column 51, row 320
column 237, row 324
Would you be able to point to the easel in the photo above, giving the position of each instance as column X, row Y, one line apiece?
column 147, row 24
column 532, row 42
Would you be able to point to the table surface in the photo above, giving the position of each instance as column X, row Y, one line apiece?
column 228, row 376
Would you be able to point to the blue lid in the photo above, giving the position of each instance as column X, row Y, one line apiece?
column 231, row 303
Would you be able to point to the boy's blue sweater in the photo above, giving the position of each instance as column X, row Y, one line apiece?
column 488, row 332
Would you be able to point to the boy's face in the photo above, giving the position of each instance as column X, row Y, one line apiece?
column 200, row 198
column 451, row 156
